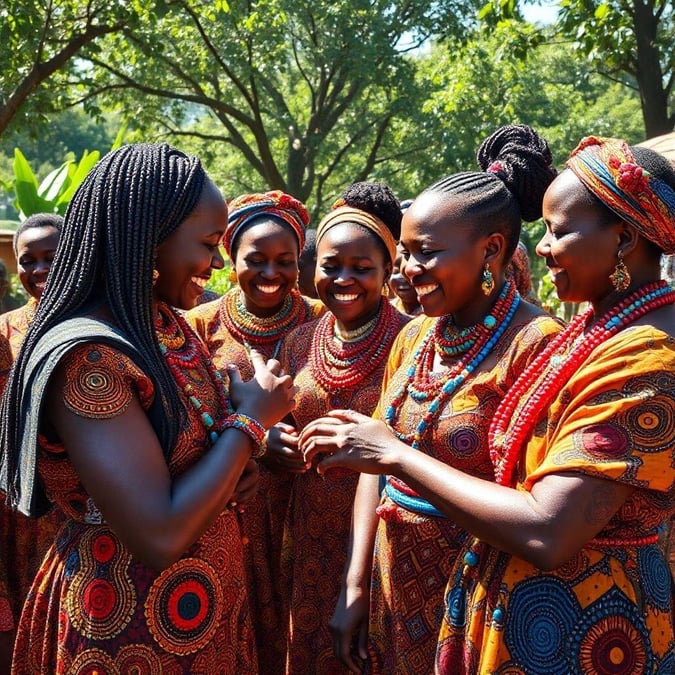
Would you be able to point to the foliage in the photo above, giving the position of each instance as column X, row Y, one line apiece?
column 220, row 281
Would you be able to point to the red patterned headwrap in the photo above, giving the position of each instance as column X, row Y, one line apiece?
column 276, row 204
column 607, row 167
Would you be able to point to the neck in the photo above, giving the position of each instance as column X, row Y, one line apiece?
column 347, row 327
column 606, row 303
column 476, row 311
column 262, row 312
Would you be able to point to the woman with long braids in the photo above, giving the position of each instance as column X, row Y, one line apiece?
column 336, row 361
column 447, row 373
column 264, row 236
column 114, row 412
column 563, row 572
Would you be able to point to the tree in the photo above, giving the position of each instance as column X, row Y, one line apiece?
column 42, row 38
column 297, row 87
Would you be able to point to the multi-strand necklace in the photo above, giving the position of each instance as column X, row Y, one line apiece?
column 340, row 360
column 445, row 338
column 262, row 331
column 541, row 381
column 185, row 353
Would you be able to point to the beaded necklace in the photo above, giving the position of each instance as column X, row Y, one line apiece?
column 543, row 379
column 261, row 331
column 184, row 352
column 423, row 385
column 339, row 364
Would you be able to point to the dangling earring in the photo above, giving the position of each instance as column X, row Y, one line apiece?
column 385, row 290
column 620, row 277
column 488, row 282
column 155, row 276
column 232, row 276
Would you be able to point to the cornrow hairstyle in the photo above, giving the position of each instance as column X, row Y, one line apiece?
column 131, row 201
column 517, row 167
column 37, row 220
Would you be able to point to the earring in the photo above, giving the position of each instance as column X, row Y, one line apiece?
column 620, row 277
column 155, row 276
column 488, row 282
column 385, row 290
column 232, row 276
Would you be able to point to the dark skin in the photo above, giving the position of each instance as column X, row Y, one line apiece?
column 120, row 461
column 563, row 511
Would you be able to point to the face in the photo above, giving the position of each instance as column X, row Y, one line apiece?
column 579, row 245
column 186, row 257
column 35, row 249
column 266, row 262
column 443, row 259
column 398, row 282
column 350, row 273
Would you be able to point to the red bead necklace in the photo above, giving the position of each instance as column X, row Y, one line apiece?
column 340, row 364
column 544, row 378
column 185, row 353
column 261, row 331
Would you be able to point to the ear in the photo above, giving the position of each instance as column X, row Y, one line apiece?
column 387, row 272
column 628, row 237
column 495, row 245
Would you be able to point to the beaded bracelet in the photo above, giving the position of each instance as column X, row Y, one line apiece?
column 252, row 428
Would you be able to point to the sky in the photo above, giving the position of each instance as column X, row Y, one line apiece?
column 545, row 13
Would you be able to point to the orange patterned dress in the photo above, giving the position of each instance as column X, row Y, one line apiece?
column 23, row 540
column 610, row 608
column 415, row 551
column 320, row 510
column 93, row 607
column 262, row 519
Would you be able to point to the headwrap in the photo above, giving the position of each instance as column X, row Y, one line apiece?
column 347, row 214
column 276, row 204
column 607, row 167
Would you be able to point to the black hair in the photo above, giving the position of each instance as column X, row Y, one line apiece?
column 37, row 220
column 131, row 201
column 309, row 249
column 517, row 167
column 259, row 218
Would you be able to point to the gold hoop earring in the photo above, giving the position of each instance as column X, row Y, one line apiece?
column 620, row 277
column 488, row 282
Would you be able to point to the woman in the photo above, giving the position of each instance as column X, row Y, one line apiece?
column 405, row 298
column 563, row 573
column 24, row 541
column 446, row 375
column 264, row 236
column 136, row 439
column 336, row 361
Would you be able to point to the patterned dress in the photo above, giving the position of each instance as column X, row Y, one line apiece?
column 262, row 520
column 7, row 622
column 93, row 607
column 609, row 609
column 23, row 540
column 319, row 513
column 414, row 551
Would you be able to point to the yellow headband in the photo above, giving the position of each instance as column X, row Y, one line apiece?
column 347, row 214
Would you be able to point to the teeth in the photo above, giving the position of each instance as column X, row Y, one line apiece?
column 425, row 290
column 200, row 281
column 268, row 289
column 341, row 297
column 40, row 284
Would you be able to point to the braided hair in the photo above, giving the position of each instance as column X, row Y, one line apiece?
column 516, row 168
column 131, row 201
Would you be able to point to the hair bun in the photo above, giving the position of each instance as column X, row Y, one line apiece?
column 523, row 161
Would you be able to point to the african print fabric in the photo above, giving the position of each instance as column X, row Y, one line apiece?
column 93, row 607
column 319, row 514
column 262, row 520
column 14, row 324
column 414, row 552
column 609, row 609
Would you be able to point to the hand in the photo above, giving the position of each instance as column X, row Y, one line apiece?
column 247, row 487
column 282, row 449
column 344, row 438
column 349, row 624
column 268, row 397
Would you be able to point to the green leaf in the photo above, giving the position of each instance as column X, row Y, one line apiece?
column 55, row 182
column 83, row 167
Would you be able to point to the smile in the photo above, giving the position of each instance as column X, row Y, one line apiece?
column 268, row 290
column 425, row 290
column 345, row 297
column 200, row 281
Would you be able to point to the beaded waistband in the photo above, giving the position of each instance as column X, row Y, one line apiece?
column 403, row 496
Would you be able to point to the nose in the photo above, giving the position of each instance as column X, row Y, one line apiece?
column 217, row 261
column 411, row 268
column 269, row 271
column 41, row 268
column 543, row 247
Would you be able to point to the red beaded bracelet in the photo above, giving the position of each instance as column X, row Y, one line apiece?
column 252, row 428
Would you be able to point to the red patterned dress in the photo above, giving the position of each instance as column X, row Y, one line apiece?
column 93, row 607
column 23, row 540
column 414, row 553
column 320, row 509
column 263, row 518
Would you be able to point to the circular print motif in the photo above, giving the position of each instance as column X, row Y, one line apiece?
column 183, row 606
column 92, row 662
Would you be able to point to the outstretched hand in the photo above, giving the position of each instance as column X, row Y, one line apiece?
column 268, row 396
column 347, row 439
